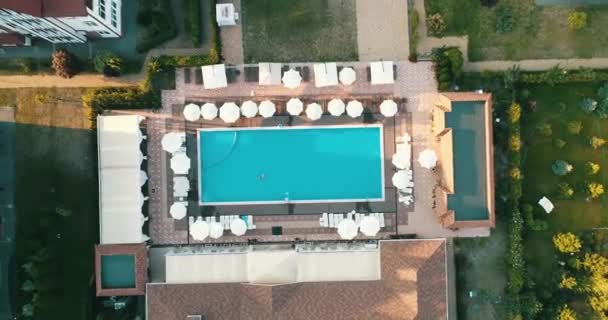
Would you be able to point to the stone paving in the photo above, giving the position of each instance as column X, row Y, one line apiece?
column 382, row 30
column 232, row 37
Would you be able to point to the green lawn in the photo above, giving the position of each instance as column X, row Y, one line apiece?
column 539, row 31
column 55, row 168
column 294, row 30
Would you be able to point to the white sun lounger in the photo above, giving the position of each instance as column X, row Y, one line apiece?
column 323, row 221
column 331, row 220
column 358, row 219
column 381, row 218
column 250, row 222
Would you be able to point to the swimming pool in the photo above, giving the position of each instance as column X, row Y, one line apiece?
column 117, row 271
column 290, row 164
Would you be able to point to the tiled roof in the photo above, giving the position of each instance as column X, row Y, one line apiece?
column 31, row 7
column 413, row 286
column 47, row 8
column 11, row 38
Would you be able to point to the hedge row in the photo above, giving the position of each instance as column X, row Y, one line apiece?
column 448, row 66
column 556, row 75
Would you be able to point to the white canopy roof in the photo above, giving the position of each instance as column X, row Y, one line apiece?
column 427, row 158
column 347, row 76
column 214, row 76
column 208, row 111
column 172, row 141
column 192, row 112
column 314, row 111
column 199, row 230
column 295, row 106
column 267, row 109
column 120, row 195
column 180, row 163
column 354, row 108
column 143, row 177
column 224, row 14
column 388, row 108
column 326, row 74
column 292, row 79
column 382, row 72
column 347, row 229
column 370, row 226
column 270, row 74
column 238, row 227
column 230, row 112
column 546, row 204
column 249, row 109
column 336, row 107
column 178, row 211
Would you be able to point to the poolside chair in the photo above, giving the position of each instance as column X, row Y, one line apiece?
column 250, row 222
column 331, row 220
column 323, row 221
column 358, row 217
column 381, row 218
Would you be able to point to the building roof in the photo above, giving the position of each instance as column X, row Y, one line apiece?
column 47, row 8
column 11, row 38
column 413, row 286
column 31, row 7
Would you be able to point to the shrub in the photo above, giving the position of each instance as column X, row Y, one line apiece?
column 545, row 129
column 559, row 143
column 108, row 63
column 567, row 282
column 596, row 142
column 561, row 167
column 514, row 143
column 575, row 127
column 514, row 112
column 565, row 313
column 602, row 109
column 436, row 24
column 577, row 20
column 504, row 20
column 567, row 242
column 63, row 63
column 594, row 190
column 602, row 92
column 535, row 225
column 588, row 105
column 515, row 174
column 592, row 168
column 414, row 20
column 456, row 60
column 564, row 190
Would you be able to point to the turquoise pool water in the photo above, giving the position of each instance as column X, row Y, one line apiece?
column 467, row 121
column 299, row 164
column 117, row 271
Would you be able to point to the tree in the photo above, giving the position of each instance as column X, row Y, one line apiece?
column 592, row 168
column 559, row 143
column 567, row 282
column 603, row 91
column 594, row 190
column 436, row 24
column 561, row 167
column 596, row 142
column 504, row 19
column 577, row 20
column 565, row 313
column 108, row 63
column 564, row 190
column 588, row 105
column 575, row 127
column 567, row 242
column 63, row 63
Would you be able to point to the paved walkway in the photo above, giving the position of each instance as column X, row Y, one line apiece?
column 382, row 30
column 85, row 80
column 232, row 39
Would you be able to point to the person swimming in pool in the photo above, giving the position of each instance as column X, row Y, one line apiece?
column 261, row 176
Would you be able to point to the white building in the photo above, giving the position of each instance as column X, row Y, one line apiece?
column 61, row 21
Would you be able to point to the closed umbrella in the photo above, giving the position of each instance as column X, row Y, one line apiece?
column 295, row 106
column 347, row 76
column 427, row 158
column 370, row 226
column 354, row 108
column 209, row 111
column 401, row 161
column 192, row 112
column 230, row 112
column 249, row 109
column 238, row 227
column 347, row 229
column 177, row 211
column 336, row 107
column 181, row 186
column 400, row 179
column 172, row 141
column 199, row 230
column 292, row 79
column 314, row 111
column 267, row 109
column 388, row 108
column 180, row 163
column 546, row 204
column 215, row 230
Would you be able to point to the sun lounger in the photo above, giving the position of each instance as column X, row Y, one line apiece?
column 358, row 217
column 381, row 218
column 324, row 220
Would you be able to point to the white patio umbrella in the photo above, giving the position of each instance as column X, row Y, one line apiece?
column 427, row 158
column 230, row 112
column 192, row 112
column 336, row 107
column 172, row 141
column 314, row 111
column 180, row 163
column 267, row 109
column 347, row 229
column 215, row 230
column 354, row 108
column 400, row 160
column 370, row 226
column 400, row 179
column 181, row 185
column 292, row 79
column 177, row 211
column 238, row 227
column 249, row 109
column 295, row 106
column 143, row 177
column 209, row 111
column 388, row 108
column 199, row 230
column 347, row 76
column 546, row 204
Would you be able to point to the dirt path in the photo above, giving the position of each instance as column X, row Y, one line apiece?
column 382, row 30
column 87, row 80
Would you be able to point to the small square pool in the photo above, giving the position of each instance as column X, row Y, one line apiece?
column 117, row 271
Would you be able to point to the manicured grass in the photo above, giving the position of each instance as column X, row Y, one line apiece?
column 294, row 30
column 539, row 31
column 56, row 168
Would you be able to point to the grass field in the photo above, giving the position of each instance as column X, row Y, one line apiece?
column 539, row 31
column 56, row 168
column 293, row 30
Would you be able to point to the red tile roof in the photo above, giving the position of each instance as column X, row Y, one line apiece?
column 31, row 7
column 413, row 286
column 11, row 38
column 47, row 8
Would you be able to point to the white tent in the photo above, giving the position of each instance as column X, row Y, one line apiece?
column 216, row 230
column 370, row 226
column 238, row 227
column 347, row 76
column 181, row 186
column 120, row 179
column 314, row 111
column 230, row 112
column 143, row 177
column 401, row 160
column 178, row 211
column 180, row 163
column 326, row 74
column 354, row 108
column 400, row 179
column 267, row 109
column 546, row 204
column 209, row 111
column 172, row 141
column 382, row 72
column 224, row 14
column 199, row 230
column 336, row 107
column 427, row 158
column 388, row 108
column 347, row 229
column 295, row 106
column 192, row 112
column 214, row 76
column 292, row 79
column 249, row 109
column 269, row 74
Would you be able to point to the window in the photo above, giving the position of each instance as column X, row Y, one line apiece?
column 103, row 32
column 114, row 24
column 90, row 23
column 102, row 10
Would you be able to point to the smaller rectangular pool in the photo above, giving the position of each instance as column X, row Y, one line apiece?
column 117, row 271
